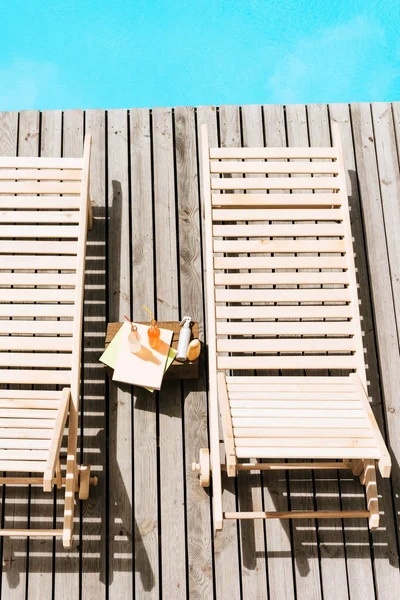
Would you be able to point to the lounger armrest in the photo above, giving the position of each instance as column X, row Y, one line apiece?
column 56, row 439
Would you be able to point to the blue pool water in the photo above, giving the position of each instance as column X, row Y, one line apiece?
column 121, row 53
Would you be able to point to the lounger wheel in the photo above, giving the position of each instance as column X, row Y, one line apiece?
column 85, row 481
column 203, row 467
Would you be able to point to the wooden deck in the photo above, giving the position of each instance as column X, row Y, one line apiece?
column 146, row 531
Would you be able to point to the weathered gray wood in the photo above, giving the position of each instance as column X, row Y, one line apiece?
column 330, row 533
column 198, row 510
column 170, row 400
column 253, row 555
column 279, row 550
column 145, row 415
column 94, row 383
column 15, row 510
column 120, row 399
column 385, row 325
column 226, row 564
column 66, row 582
column 389, row 180
column 40, row 578
column 307, row 568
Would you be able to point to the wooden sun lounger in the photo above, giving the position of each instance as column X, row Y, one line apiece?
column 44, row 216
column 282, row 295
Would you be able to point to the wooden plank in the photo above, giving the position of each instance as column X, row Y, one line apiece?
column 281, row 312
column 94, row 408
column 36, row 216
column 120, row 398
column 253, row 555
column 276, row 214
column 283, row 230
column 271, row 153
column 276, row 246
column 226, row 560
column 172, row 509
column 47, row 129
column 286, row 345
column 145, row 415
column 14, row 501
column 281, row 295
column 305, row 538
column 280, row 278
column 41, row 263
column 384, row 319
column 35, row 327
column 270, row 183
column 40, row 202
column 198, row 522
column 18, row 247
column 35, row 162
column 276, row 200
column 40, row 174
column 280, row 262
column 270, row 167
column 37, row 231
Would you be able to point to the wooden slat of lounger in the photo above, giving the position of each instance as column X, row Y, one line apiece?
column 273, row 183
column 297, row 423
column 272, row 153
column 22, row 247
column 35, row 376
column 280, row 295
column 36, row 310
column 23, row 466
column 284, row 328
column 28, row 413
column 37, row 231
column 291, row 380
column 290, row 391
column 287, row 345
column 265, row 393
column 297, row 413
column 40, row 202
column 306, row 452
column 21, row 403
column 40, row 263
column 280, row 262
column 31, row 394
column 287, row 362
column 46, row 359
column 278, row 278
column 41, row 174
column 273, row 167
column 300, row 433
column 276, row 200
column 26, row 433
column 33, row 162
column 23, row 423
column 281, row 230
column 321, row 442
column 35, row 279
column 36, row 295
column 39, row 216
column 242, row 401
column 281, row 246
column 276, row 214
column 24, row 444
column 282, row 312
column 35, row 327
column 40, row 187
column 42, row 343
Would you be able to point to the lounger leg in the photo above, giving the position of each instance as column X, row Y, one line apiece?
column 71, row 479
column 369, row 477
column 90, row 215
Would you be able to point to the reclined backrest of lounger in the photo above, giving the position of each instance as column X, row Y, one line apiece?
column 44, row 216
column 284, row 279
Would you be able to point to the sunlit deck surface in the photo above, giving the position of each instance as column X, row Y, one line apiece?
column 146, row 531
